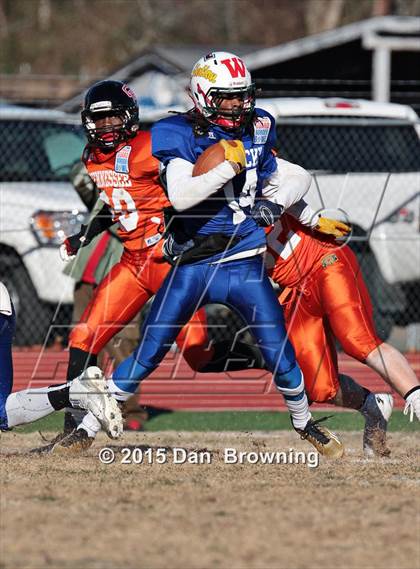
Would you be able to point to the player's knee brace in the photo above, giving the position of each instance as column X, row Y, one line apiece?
column 290, row 383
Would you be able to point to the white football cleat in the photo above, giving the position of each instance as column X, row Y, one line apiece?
column 377, row 411
column 412, row 405
column 90, row 391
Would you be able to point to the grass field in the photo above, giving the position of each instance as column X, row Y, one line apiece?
column 235, row 421
column 73, row 512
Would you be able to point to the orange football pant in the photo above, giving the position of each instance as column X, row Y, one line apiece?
column 333, row 302
column 122, row 294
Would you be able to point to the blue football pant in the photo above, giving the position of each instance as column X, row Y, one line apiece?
column 243, row 286
column 7, row 330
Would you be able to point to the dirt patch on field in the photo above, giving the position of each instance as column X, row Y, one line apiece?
column 67, row 512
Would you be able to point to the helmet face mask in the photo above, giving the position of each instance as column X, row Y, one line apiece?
column 217, row 78
column 234, row 117
column 110, row 99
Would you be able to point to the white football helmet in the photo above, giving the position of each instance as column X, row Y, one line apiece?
column 217, row 76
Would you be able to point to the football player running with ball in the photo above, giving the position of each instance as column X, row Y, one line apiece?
column 223, row 263
column 118, row 158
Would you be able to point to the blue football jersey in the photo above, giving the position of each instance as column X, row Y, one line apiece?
column 226, row 211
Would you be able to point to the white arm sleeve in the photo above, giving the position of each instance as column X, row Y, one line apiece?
column 288, row 184
column 185, row 191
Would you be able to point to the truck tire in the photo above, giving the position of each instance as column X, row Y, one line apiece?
column 32, row 315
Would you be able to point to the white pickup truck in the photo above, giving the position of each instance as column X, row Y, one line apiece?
column 38, row 206
column 365, row 160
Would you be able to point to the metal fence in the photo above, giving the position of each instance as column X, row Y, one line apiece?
column 366, row 171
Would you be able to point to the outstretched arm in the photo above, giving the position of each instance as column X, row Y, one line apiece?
column 102, row 221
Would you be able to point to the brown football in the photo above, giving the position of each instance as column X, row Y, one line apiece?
column 210, row 158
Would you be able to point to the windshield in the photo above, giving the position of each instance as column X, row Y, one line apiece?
column 35, row 151
column 371, row 146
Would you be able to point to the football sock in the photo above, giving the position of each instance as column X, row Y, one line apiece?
column 90, row 424
column 292, row 387
column 299, row 410
column 411, row 391
column 79, row 360
column 412, row 403
column 350, row 394
column 70, row 422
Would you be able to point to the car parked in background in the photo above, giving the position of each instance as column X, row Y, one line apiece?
column 38, row 206
column 365, row 160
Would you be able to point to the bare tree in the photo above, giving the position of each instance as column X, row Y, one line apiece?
column 321, row 15
column 4, row 24
column 44, row 15
column 93, row 37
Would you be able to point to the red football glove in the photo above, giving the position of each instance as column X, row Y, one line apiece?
column 68, row 250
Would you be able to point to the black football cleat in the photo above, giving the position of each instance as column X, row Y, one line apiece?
column 75, row 443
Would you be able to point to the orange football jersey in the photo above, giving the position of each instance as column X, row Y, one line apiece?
column 292, row 251
column 128, row 180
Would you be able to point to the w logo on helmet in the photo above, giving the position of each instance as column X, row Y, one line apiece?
column 236, row 66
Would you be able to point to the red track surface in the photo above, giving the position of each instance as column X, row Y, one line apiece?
column 175, row 386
